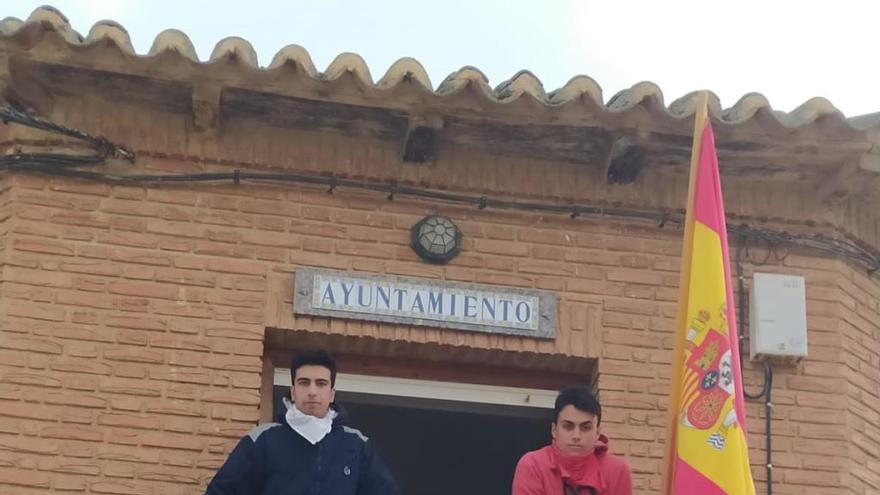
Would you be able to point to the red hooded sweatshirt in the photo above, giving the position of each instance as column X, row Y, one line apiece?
column 545, row 472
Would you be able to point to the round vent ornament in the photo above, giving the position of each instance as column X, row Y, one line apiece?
column 435, row 238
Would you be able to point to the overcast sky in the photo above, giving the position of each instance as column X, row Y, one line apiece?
column 788, row 50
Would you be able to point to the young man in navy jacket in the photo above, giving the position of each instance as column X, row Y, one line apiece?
column 310, row 451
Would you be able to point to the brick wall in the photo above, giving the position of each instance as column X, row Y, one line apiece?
column 128, row 364
column 133, row 317
column 860, row 329
column 808, row 437
column 5, row 213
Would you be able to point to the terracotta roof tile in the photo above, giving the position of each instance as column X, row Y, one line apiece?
column 298, row 56
column 235, row 48
column 10, row 25
column 351, row 63
column 173, row 40
column 113, row 31
column 524, row 83
column 402, row 69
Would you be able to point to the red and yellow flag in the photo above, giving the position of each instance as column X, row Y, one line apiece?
column 706, row 441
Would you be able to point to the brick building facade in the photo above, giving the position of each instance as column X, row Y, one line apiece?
column 141, row 322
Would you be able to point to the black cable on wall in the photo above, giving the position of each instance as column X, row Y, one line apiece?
column 767, row 386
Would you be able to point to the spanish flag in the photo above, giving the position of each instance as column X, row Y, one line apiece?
column 706, row 452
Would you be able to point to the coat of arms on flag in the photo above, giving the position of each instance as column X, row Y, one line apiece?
column 706, row 449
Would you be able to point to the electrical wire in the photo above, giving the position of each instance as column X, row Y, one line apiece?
column 767, row 386
column 66, row 166
column 838, row 247
column 103, row 145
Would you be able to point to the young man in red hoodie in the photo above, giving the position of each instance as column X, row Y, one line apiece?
column 577, row 462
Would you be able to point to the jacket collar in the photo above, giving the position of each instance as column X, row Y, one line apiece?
column 592, row 475
column 340, row 420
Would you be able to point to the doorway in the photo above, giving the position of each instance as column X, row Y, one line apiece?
column 439, row 438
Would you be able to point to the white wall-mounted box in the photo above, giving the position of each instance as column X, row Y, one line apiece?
column 778, row 317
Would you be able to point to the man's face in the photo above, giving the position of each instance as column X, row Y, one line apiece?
column 575, row 431
column 311, row 391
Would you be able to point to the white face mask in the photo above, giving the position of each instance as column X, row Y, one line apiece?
column 309, row 427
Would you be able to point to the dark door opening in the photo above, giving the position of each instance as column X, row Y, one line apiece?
column 441, row 447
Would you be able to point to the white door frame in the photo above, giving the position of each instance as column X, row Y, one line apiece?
column 435, row 390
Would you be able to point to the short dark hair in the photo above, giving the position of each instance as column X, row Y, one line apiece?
column 315, row 357
column 581, row 398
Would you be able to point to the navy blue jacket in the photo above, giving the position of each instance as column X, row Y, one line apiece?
column 273, row 459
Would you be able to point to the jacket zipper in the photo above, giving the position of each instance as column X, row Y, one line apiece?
column 318, row 477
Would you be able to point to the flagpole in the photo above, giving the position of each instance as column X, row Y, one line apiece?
column 669, row 458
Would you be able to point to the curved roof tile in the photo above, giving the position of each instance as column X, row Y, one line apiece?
column 175, row 41
column 745, row 108
column 10, row 25
column 297, row 55
column 113, row 31
column 235, row 48
column 348, row 63
column 402, row 69
column 462, row 78
column 55, row 20
column 633, row 96
column 523, row 82
column 645, row 94
column 575, row 88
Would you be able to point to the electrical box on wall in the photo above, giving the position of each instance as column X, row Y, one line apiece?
column 778, row 317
